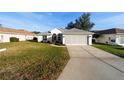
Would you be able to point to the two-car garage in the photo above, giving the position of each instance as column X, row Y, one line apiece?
column 76, row 39
column 73, row 36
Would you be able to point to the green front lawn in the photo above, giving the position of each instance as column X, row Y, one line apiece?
column 30, row 60
column 117, row 50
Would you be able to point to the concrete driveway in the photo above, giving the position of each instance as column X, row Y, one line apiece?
column 89, row 63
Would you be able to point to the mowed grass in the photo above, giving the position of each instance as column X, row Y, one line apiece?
column 31, row 60
column 117, row 50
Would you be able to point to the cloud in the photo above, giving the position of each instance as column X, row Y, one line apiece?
column 114, row 20
column 32, row 16
column 40, row 21
column 23, row 21
column 6, row 20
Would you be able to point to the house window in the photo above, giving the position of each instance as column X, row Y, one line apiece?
column 59, row 37
column 44, row 37
column 121, row 39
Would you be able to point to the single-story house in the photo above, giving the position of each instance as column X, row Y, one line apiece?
column 7, row 33
column 114, row 36
column 67, row 36
column 44, row 37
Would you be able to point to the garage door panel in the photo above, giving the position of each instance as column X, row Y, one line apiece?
column 76, row 39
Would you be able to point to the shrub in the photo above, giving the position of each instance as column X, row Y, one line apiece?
column 59, row 43
column 48, row 42
column 113, row 40
column 96, row 35
column 14, row 39
column 93, row 40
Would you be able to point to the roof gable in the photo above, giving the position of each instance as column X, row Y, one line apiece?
column 56, row 31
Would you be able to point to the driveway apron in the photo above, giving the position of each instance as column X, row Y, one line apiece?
column 89, row 63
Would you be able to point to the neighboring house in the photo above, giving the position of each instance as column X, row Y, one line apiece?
column 44, row 37
column 113, row 36
column 68, row 37
column 7, row 33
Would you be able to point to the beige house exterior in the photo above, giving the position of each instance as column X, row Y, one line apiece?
column 69, row 36
column 7, row 33
column 113, row 36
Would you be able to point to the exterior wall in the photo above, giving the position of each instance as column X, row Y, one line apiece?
column 29, row 37
column 6, row 37
column 55, row 31
column 118, row 39
column 87, row 40
column 21, row 37
column 49, row 38
column 106, row 38
column 39, row 38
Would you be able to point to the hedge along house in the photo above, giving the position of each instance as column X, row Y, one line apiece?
column 7, row 33
column 114, row 36
column 70, row 37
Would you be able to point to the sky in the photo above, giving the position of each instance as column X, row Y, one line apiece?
column 45, row 21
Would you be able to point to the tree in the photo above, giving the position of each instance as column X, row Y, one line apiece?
column 36, row 32
column 77, row 24
column 70, row 25
column 83, row 22
column 0, row 25
column 96, row 35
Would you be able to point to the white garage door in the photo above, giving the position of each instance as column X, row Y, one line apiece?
column 76, row 39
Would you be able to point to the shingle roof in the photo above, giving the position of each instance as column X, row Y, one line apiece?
column 110, row 31
column 15, row 31
column 74, row 31
column 43, row 33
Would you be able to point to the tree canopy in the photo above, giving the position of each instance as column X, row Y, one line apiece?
column 70, row 25
column 83, row 22
column 0, row 25
column 36, row 32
